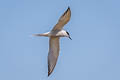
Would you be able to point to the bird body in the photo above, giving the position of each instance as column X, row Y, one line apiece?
column 54, row 36
column 54, row 33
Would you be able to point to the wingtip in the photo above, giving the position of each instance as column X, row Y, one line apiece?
column 49, row 70
column 68, row 7
column 49, row 74
column 67, row 10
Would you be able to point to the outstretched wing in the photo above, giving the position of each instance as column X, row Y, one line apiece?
column 53, row 53
column 63, row 20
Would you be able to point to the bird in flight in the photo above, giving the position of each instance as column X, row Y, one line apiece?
column 54, row 36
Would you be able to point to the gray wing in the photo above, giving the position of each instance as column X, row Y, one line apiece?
column 53, row 53
column 63, row 20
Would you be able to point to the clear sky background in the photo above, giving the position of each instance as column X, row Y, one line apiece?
column 93, row 54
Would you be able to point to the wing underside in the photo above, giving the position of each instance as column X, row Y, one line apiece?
column 53, row 53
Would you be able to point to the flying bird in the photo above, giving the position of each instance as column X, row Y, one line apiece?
column 54, row 36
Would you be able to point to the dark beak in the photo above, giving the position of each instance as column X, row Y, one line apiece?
column 70, row 38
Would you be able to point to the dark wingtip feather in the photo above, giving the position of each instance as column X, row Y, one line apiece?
column 48, row 69
column 68, row 7
column 48, row 74
column 66, row 11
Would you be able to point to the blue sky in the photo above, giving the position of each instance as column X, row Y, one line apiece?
column 93, row 54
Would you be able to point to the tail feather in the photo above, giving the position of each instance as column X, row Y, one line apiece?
column 36, row 35
column 44, row 34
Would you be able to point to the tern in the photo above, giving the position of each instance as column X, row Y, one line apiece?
column 54, row 36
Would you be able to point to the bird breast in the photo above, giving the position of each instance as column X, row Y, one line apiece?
column 58, row 33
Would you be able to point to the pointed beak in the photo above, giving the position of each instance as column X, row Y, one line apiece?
column 70, row 38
